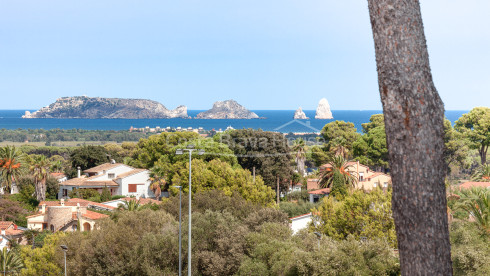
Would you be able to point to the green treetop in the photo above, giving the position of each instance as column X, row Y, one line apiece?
column 475, row 125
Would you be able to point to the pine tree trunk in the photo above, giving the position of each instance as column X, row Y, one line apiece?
column 414, row 115
column 483, row 154
column 277, row 192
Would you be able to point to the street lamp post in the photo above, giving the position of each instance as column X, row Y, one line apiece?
column 180, row 228
column 319, row 235
column 190, row 148
column 65, row 248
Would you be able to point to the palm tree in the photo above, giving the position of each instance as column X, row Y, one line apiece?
column 338, row 147
column 482, row 173
column 30, row 234
column 131, row 205
column 10, row 262
column 299, row 147
column 478, row 206
column 157, row 181
column 10, row 165
column 40, row 166
column 338, row 167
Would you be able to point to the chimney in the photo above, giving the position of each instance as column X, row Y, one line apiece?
column 62, row 202
column 79, row 172
column 43, row 209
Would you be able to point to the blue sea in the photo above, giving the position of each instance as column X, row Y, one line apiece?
column 274, row 120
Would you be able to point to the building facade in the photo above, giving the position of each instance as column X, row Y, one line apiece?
column 120, row 179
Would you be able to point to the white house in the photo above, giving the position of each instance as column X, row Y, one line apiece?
column 300, row 222
column 10, row 232
column 120, row 179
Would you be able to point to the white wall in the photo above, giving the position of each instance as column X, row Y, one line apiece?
column 117, row 171
column 300, row 223
column 4, row 242
column 139, row 178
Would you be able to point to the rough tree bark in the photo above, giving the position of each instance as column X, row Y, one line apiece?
column 414, row 115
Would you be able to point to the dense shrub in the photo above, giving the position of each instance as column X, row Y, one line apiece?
column 470, row 249
column 295, row 209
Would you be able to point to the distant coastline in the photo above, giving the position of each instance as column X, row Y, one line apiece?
column 276, row 120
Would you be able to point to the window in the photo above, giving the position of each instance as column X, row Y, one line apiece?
column 65, row 192
column 45, row 226
column 132, row 188
column 375, row 184
column 111, row 176
column 385, row 185
column 361, row 176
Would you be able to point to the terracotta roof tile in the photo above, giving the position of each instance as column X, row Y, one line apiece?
column 35, row 215
column 5, row 224
column 324, row 191
column 58, row 175
column 94, row 215
column 13, row 232
column 303, row 215
column 75, row 201
column 468, row 185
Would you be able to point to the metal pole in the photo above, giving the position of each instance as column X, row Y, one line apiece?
column 190, row 214
column 180, row 231
column 64, row 251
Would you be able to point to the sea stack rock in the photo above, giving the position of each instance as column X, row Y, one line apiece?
column 229, row 109
column 300, row 115
column 323, row 110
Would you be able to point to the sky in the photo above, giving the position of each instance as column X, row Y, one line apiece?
column 267, row 55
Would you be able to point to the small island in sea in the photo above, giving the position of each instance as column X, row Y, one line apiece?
column 106, row 108
column 229, row 109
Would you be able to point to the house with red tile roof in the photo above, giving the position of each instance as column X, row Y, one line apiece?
column 316, row 195
column 67, row 215
column 61, row 177
column 10, row 232
column 366, row 178
column 119, row 178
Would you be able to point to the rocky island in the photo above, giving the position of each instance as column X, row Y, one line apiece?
column 229, row 109
column 300, row 115
column 106, row 108
column 323, row 110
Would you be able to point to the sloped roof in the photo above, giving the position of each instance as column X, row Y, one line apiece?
column 94, row 215
column 5, row 224
column 324, row 191
column 375, row 174
column 470, row 184
column 350, row 163
column 131, row 172
column 88, row 181
column 58, row 175
column 103, row 167
column 13, row 232
column 74, row 201
column 301, row 216
column 35, row 215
